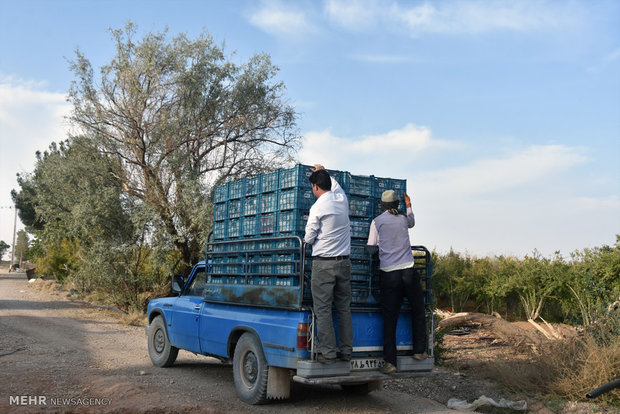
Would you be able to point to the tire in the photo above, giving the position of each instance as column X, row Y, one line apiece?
column 161, row 351
column 250, row 370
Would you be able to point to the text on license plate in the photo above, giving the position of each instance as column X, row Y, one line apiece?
column 366, row 363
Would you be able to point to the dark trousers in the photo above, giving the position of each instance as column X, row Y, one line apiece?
column 395, row 286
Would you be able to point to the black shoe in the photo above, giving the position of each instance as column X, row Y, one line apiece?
column 324, row 360
column 344, row 357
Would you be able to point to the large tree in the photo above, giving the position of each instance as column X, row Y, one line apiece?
column 179, row 116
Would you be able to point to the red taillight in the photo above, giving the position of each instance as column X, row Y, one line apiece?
column 302, row 335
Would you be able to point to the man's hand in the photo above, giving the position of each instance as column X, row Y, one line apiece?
column 407, row 201
column 317, row 167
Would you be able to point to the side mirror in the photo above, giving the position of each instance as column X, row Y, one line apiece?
column 177, row 284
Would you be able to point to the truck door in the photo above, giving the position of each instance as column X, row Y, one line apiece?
column 184, row 324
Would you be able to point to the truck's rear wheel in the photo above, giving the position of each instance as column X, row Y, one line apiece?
column 161, row 351
column 250, row 370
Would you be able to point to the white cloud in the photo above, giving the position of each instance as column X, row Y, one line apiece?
column 394, row 149
column 282, row 20
column 353, row 15
column 490, row 175
column 30, row 119
column 452, row 17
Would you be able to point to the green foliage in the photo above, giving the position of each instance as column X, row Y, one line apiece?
column 21, row 245
column 3, row 248
column 575, row 290
column 56, row 258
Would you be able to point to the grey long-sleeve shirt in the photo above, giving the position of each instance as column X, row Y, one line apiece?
column 391, row 233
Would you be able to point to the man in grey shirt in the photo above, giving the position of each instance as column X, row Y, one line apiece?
column 329, row 233
column 399, row 278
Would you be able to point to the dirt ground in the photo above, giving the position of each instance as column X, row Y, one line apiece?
column 59, row 354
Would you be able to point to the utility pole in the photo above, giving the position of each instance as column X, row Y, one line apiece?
column 14, row 231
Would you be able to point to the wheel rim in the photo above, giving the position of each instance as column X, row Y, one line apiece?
column 249, row 370
column 159, row 341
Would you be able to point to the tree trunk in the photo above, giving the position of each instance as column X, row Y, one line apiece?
column 504, row 330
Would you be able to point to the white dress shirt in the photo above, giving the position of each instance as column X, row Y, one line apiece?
column 328, row 229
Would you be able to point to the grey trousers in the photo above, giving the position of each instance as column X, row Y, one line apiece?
column 331, row 283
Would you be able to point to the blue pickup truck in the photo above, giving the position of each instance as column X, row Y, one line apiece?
column 249, row 302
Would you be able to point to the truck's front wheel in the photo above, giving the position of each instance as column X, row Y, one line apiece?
column 161, row 351
column 250, row 370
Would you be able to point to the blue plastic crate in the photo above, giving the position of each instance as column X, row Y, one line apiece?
column 360, row 185
column 360, row 229
column 292, row 222
column 224, row 265
column 253, row 185
column 246, row 244
column 361, row 207
column 236, row 189
column 381, row 185
column 260, row 264
column 360, row 267
column 250, row 227
column 235, row 208
column 286, row 263
column 358, row 252
column 286, row 281
column 220, row 230
column 295, row 177
column 261, row 280
column 267, row 245
column 267, row 224
column 360, row 296
column 220, row 212
column 268, row 202
column 299, row 197
column 339, row 176
column 270, row 181
column 287, row 243
column 361, row 279
column 221, row 193
column 234, row 228
column 216, row 279
column 400, row 186
column 250, row 205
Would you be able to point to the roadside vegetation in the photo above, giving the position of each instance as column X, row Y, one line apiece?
column 582, row 291
column 116, row 208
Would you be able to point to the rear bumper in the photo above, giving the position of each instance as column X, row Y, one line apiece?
column 313, row 372
column 360, row 377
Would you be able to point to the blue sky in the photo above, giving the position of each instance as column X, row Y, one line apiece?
column 504, row 116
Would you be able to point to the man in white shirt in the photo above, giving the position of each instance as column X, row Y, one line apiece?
column 329, row 233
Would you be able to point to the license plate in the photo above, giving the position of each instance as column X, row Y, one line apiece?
column 366, row 364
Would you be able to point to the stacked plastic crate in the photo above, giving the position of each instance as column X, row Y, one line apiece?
column 277, row 204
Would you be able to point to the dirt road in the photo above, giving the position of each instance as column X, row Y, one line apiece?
column 58, row 355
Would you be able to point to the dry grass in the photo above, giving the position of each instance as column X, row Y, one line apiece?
column 134, row 318
column 50, row 286
column 584, row 365
column 567, row 369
